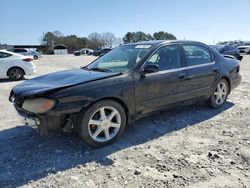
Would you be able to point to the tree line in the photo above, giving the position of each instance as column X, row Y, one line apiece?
column 100, row 40
column 73, row 42
column 231, row 42
column 141, row 36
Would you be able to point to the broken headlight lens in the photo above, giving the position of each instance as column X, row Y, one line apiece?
column 39, row 105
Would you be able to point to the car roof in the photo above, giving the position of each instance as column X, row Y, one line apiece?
column 12, row 53
column 158, row 42
column 6, row 51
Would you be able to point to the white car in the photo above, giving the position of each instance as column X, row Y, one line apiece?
column 244, row 49
column 26, row 52
column 15, row 66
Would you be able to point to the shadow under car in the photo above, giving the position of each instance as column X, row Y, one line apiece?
column 24, row 156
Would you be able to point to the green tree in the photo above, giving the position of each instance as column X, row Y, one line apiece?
column 161, row 35
column 136, row 37
column 140, row 36
column 128, row 38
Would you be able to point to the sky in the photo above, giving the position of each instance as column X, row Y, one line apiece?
column 209, row 21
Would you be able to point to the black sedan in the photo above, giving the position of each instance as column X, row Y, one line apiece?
column 228, row 51
column 129, row 82
column 101, row 51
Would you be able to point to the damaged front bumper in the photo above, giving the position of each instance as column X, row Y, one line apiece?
column 62, row 116
column 43, row 123
column 31, row 122
column 27, row 118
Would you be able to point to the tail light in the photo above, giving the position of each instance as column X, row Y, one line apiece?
column 28, row 59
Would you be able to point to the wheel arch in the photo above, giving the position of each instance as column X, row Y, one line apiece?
column 7, row 73
column 228, row 82
column 121, row 102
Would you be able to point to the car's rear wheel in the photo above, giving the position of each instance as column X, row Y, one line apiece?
column 102, row 123
column 16, row 73
column 248, row 52
column 220, row 93
column 35, row 57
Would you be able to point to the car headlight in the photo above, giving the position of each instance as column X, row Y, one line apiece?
column 39, row 105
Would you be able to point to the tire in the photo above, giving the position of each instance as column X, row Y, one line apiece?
column 103, row 131
column 16, row 73
column 219, row 94
column 248, row 52
column 35, row 57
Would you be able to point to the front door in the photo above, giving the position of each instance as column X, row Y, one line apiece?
column 156, row 90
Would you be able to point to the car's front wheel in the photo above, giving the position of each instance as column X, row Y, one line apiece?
column 102, row 123
column 220, row 93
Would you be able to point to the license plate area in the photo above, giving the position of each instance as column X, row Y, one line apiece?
column 32, row 122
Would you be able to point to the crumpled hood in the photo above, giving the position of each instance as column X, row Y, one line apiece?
column 59, row 80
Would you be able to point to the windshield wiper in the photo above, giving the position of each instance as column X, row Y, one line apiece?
column 98, row 69
column 85, row 68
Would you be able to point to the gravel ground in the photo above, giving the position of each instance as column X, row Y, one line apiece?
column 192, row 146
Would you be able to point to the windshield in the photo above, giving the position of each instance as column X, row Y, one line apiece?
column 120, row 59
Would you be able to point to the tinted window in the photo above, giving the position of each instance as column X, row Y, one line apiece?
column 106, row 50
column 19, row 50
column 227, row 48
column 231, row 48
column 167, row 57
column 4, row 55
column 196, row 55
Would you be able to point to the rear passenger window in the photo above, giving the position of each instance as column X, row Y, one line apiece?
column 4, row 55
column 19, row 50
column 196, row 55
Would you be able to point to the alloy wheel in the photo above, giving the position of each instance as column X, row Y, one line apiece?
column 104, row 124
column 16, row 74
column 220, row 93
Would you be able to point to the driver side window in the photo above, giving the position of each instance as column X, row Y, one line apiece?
column 167, row 57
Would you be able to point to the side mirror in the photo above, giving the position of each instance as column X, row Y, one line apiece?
column 150, row 68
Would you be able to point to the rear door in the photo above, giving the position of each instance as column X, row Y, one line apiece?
column 156, row 90
column 201, row 69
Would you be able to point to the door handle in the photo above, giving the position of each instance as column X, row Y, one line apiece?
column 182, row 76
column 215, row 70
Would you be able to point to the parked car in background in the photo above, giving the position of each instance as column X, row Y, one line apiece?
column 84, row 51
column 26, row 52
column 244, row 49
column 15, row 66
column 129, row 82
column 101, row 51
column 228, row 50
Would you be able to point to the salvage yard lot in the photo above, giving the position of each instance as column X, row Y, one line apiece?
column 192, row 146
